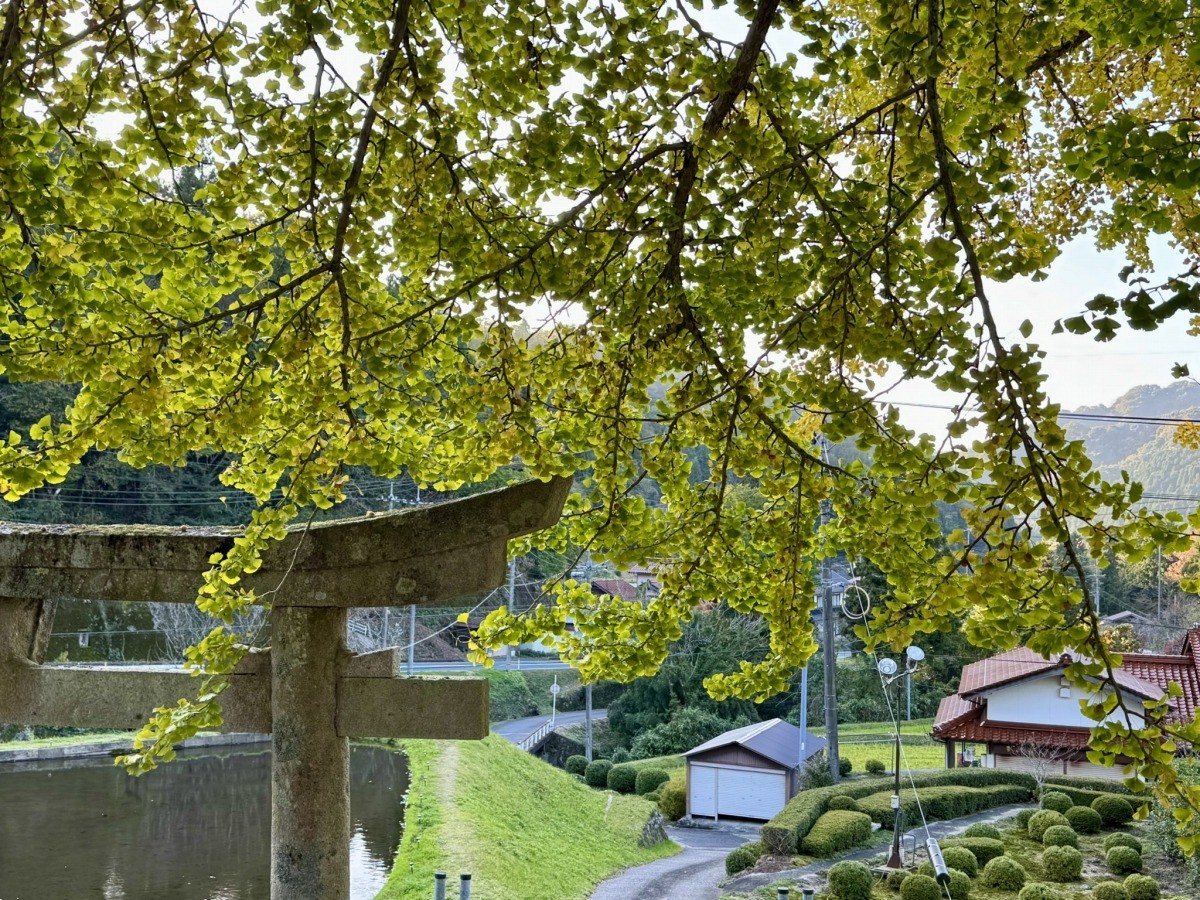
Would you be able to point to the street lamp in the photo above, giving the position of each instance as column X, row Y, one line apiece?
column 890, row 673
column 554, row 689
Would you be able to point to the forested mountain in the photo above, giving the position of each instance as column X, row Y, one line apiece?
column 1147, row 451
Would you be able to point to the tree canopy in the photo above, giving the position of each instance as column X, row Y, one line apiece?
column 442, row 237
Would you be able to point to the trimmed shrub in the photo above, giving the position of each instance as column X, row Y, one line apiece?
column 672, row 799
column 1067, row 783
column 844, row 802
column 741, row 858
column 576, row 764
column 1046, row 818
column 650, row 780
column 1023, row 818
column 896, row 878
column 620, row 755
column 596, row 773
column 875, row 767
column 983, row 829
column 1084, row 819
column 845, row 766
column 959, row 886
column 1123, row 860
column 1114, row 811
column 962, row 859
column 985, row 849
column 622, row 778
column 1062, row 863
column 1109, row 890
column 1122, row 839
column 1054, row 836
column 939, row 802
column 1057, row 801
column 920, row 887
column 652, row 796
column 850, row 880
column 837, row 830
column 1141, row 887
column 1039, row 891
column 1004, row 874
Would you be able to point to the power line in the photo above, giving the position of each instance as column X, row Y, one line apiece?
column 1086, row 417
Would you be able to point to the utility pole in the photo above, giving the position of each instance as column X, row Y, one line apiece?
column 803, row 715
column 511, row 593
column 587, row 722
column 1158, row 582
column 830, row 660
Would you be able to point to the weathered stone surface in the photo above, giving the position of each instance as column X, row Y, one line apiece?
column 437, row 708
column 377, row 664
column 654, row 832
column 422, row 555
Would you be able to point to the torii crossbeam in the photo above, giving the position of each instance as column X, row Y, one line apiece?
column 308, row 692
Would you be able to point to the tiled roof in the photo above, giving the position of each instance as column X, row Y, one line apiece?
column 971, row 728
column 616, row 587
column 775, row 739
column 1022, row 663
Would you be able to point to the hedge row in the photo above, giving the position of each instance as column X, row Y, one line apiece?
column 1083, row 783
column 835, row 831
column 782, row 835
column 943, row 802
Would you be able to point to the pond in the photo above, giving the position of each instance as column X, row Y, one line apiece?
column 197, row 829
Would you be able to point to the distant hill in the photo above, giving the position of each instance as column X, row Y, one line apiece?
column 1147, row 452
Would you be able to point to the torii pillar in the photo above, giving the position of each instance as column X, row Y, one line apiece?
column 308, row 692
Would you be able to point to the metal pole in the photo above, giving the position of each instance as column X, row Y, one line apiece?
column 895, row 862
column 587, row 722
column 464, row 886
column 554, row 701
column 783, row 893
column 412, row 638
column 830, row 660
column 1158, row 582
column 509, row 599
column 908, row 706
column 439, row 886
column 803, row 716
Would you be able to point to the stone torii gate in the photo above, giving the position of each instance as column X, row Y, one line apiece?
column 307, row 692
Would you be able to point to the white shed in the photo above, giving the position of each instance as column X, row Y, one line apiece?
column 747, row 773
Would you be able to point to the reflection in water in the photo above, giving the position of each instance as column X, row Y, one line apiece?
column 197, row 829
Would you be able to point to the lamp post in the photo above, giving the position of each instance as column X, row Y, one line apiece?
column 890, row 673
column 554, row 689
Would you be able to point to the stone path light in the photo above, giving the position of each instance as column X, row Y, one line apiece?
column 308, row 692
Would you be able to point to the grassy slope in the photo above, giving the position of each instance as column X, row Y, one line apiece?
column 523, row 829
column 70, row 740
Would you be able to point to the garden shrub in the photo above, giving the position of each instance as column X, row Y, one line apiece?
column 596, row 773
column 652, row 796
column 650, row 780
column 1046, row 818
column 576, row 764
column 1109, row 890
column 1067, row 783
column 509, row 696
column 672, row 799
column 1056, row 836
column 1114, row 810
column 622, row 778
column 1039, row 891
column 845, row 766
column 1057, row 801
column 837, row 830
column 1023, row 818
column 962, row 859
column 959, row 886
column 1141, row 887
column 620, row 755
column 920, row 887
column 939, row 802
column 896, row 878
column 983, row 829
column 1062, row 863
column 985, row 849
column 1004, row 874
column 741, row 858
column 1123, row 860
column 875, row 767
column 844, row 802
column 851, row 880
column 1084, row 819
column 1122, row 839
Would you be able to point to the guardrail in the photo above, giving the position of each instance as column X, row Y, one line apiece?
column 535, row 738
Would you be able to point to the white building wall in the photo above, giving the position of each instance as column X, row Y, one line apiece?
column 1045, row 702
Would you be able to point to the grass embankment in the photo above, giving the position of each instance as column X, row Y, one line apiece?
column 99, row 737
column 524, row 829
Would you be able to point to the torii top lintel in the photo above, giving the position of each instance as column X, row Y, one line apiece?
column 422, row 555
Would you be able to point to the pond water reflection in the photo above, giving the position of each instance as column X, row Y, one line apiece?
column 197, row 829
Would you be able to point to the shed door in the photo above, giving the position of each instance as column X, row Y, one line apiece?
column 704, row 791
column 750, row 793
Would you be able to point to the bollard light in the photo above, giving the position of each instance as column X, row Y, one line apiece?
column 808, row 893
column 439, row 886
column 783, row 894
column 464, row 886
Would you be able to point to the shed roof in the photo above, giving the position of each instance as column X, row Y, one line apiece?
column 775, row 739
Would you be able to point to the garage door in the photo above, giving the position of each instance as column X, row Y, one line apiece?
column 742, row 793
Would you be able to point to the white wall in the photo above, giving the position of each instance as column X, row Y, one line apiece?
column 1038, row 702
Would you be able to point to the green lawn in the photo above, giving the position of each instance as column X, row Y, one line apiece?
column 524, row 829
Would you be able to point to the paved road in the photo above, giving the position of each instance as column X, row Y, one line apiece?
column 516, row 729
column 692, row 874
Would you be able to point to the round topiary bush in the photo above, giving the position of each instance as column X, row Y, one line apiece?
column 1123, row 860
column 1062, row 864
column 921, row 887
column 742, row 858
column 841, row 801
column 652, row 796
column 1141, row 887
column 850, row 880
column 845, row 766
column 1023, row 818
column 1054, row 836
column 896, row 878
column 962, row 859
column 650, row 780
column 1114, row 811
column 1084, row 819
column 984, row 830
column 875, row 767
column 959, row 886
column 1046, row 818
column 1039, row 891
column 985, row 849
column 576, row 764
column 596, row 773
column 672, row 799
column 622, row 778
column 1109, row 890
column 1122, row 839
column 1004, row 874
column 1056, row 801
column 620, row 755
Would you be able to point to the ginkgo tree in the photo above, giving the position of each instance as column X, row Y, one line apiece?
column 444, row 237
